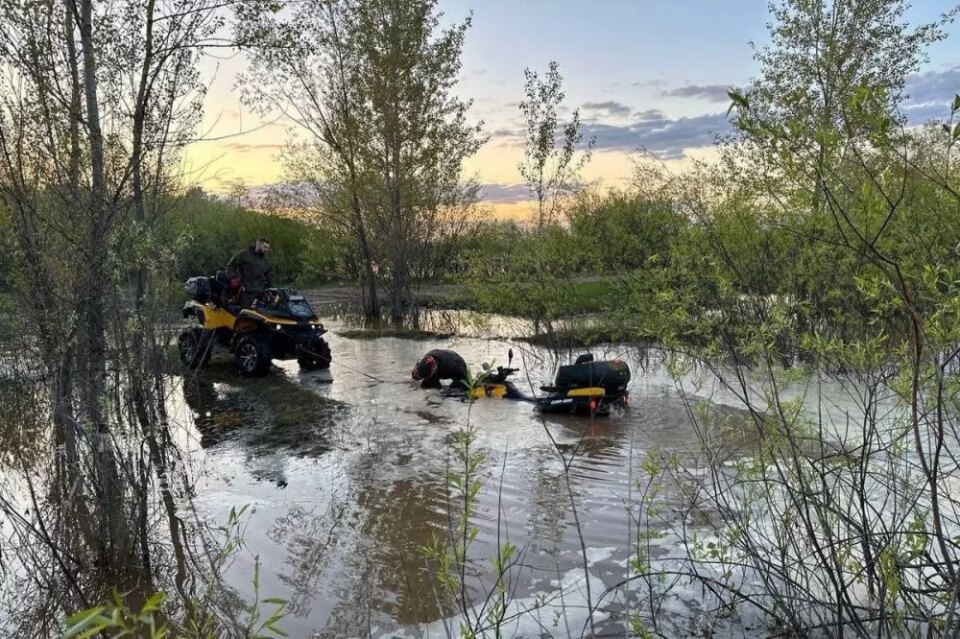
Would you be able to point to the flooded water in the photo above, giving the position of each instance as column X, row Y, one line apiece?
column 347, row 478
column 350, row 488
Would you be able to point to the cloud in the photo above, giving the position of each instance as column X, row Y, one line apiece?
column 505, row 193
column 506, row 137
column 656, row 83
column 650, row 114
column 930, row 95
column 240, row 147
column 933, row 85
column 610, row 107
column 662, row 136
column 709, row 92
column 506, row 133
column 650, row 130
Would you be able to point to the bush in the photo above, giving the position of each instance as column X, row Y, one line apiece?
column 208, row 232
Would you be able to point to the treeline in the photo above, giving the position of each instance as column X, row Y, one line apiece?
column 206, row 232
column 665, row 258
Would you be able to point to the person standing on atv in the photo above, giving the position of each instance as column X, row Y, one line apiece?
column 441, row 364
column 254, row 270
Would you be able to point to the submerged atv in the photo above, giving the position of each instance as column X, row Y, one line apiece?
column 583, row 388
column 279, row 325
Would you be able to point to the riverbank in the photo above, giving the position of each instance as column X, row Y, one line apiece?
column 582, row 310
column 583, row 295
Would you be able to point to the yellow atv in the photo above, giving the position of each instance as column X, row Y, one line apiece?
column 586, row 387
column 279, row 325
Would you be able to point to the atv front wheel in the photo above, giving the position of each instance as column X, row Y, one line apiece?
column 194, row 348
column 316, row 356
column 253, row 356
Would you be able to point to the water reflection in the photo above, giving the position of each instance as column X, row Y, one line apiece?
column 310, row 537
column 24, row 430
column 442, row 322
column 48, row 550
column 395, row 521
column 267, row 415
column 347, row 479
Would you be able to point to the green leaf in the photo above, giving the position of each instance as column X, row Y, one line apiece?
column 82, row 620
column 956, row 103
column 153, row 603
column 738, row 100
column 276, row 601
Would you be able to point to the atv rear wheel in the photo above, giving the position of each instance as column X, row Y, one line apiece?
column 194, row 348
column 253, row 356
column 316, row 356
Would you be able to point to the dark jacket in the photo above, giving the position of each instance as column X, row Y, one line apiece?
column 449, row 366
column 253, row 269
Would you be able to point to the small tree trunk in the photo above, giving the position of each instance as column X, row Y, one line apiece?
column 108, row 488
column 397, row 287
column 76, row 113
column 371, row 305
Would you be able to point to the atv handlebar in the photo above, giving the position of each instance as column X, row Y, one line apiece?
column 489, row 377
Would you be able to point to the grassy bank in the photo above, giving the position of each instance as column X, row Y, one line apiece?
column 576, row 298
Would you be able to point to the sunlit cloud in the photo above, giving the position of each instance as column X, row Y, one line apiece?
column 241, row 147
column 505, row 193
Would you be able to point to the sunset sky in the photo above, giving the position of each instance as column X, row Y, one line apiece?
column 642, row 72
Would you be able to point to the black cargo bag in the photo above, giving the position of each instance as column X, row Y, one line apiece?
column 198, row 288
column 612, row 376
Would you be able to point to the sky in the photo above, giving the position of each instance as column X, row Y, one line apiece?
column 644, row 73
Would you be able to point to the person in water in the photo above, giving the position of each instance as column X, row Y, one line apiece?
column 441, row 364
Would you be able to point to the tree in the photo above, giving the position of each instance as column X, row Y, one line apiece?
column 418, row 133
column 551, row 171
column 821, row 54
column 301, row 66
column 846, row 213
column 371, row 81
column 831, row 71
column 95, row 102
column 538, row 283
column 237, row 193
